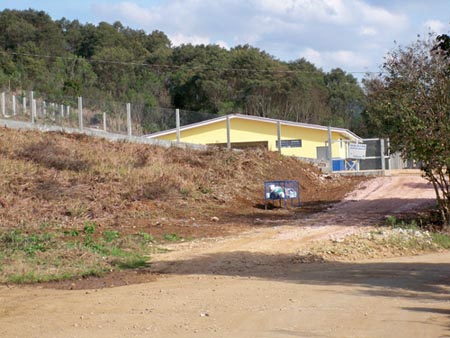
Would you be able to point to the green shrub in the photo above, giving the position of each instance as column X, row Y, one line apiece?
column 441, row 239
column 172, row 237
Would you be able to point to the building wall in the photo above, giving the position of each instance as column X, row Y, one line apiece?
column 311, row 139
column 211, row 133
column 256, row 131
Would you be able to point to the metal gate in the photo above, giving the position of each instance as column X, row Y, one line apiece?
column 375, row 158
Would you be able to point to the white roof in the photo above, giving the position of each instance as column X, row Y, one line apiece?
column 344, row 132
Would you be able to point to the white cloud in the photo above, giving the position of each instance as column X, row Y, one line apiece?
column 340, row 12
column 180, row 39
column 222, row 44
column 129, row 10
column 348, row 59
column 313, row 56
column 308, row 10
column 435, row 26
column 381, row 16
column 345, row 59
column 367, row 31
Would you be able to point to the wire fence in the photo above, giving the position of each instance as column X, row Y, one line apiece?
column 133, row 119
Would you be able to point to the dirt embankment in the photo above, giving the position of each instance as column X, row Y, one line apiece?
column 64, row 180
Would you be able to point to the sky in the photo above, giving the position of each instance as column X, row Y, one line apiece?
column 353, row 35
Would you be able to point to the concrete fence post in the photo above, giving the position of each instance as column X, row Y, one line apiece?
column 330, row 150
column 177, row 121
column 62, row 110
column 14, row 105
column 390, row 157
column 104, row 121
column 228, row 133
column 34, row 108
column 24, row 104
column 279, row 136
column 80, row 112
column 31, row 107
column 129, row 119
column 383, row 160
column 3, row 104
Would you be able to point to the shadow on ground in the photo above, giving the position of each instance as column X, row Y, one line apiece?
column 390, row 279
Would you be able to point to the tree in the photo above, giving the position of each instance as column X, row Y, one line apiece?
column 307, row 101
column 14, row 30
column 410, row 103
column 345, row 98
column 77, row 76
column 197, row 82
column 256, row 79
column 115, row 70
column 159, row 46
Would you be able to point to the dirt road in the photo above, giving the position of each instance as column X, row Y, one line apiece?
column 366, row 206
column 254, row 285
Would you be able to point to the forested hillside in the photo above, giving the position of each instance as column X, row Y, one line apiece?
column 64, row 59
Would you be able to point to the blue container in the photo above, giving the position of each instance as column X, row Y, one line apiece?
column 338, row 165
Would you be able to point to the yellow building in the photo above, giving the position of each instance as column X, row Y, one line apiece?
column 241, row 131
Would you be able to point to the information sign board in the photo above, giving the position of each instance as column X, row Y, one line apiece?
column 357, row 150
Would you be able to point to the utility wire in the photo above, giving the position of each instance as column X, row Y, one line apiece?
column 198, row 67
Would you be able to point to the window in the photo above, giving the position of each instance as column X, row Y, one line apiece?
column 290, row 143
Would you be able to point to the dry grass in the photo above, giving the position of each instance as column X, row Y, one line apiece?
column 67, row 179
